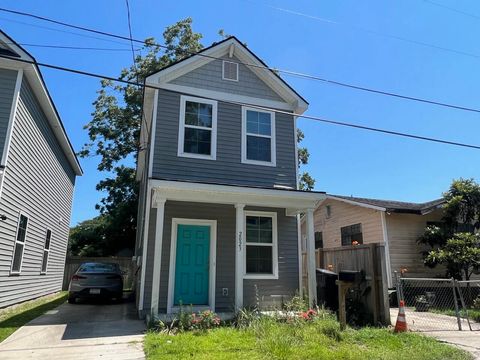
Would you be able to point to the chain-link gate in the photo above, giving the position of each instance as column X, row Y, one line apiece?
column 440, row 304
column 470, row 300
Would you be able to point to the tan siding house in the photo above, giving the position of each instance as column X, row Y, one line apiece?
column 396, row 224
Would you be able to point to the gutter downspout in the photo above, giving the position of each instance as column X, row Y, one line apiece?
column 387, row 249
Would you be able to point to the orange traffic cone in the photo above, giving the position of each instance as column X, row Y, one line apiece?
column 401, row 325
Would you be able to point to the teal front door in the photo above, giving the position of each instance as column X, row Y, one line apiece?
column 192, row 265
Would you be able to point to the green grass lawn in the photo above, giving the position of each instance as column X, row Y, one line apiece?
column 319, row 339
column 12, row 319
column 473, row 314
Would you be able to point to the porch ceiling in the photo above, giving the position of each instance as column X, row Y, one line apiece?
column 293, row 201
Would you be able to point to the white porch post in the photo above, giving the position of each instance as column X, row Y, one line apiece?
column 311, row 266
column 239, row 255
column 159, row 203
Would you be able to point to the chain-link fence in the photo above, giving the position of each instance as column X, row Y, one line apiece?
column 440, row 304
column 470, row 302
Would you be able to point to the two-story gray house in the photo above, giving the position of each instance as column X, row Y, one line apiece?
column 219, row 205
column 37, row 176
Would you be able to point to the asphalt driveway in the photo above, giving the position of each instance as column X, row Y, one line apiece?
column 79, row 331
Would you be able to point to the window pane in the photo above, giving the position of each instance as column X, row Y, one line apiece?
column 44, row 261
column 352, row 234
column 259, row 229
column 259, row 260
column 264, row 124
column 17, row 257
column 47, row 239
column 198, row 114
column 258, row 148
column 259, row 123
column 197, row 141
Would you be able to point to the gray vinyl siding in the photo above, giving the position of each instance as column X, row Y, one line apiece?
column 7, row 88
column 209, row 77
column 39, row 183
column 227, row 168
column 285, row 286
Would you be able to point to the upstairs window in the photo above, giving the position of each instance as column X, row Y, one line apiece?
column 261, row 245
column 19, row 244
column 197, row 137
column 258, row 137
column 46, row 252
column 318, row 240
column 229, row 71
column 352, row 235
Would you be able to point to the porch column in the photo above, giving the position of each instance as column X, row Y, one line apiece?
column 239, row 255
column 159, row 203
column 311, row 266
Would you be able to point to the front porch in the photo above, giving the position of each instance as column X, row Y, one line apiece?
column 222, row 247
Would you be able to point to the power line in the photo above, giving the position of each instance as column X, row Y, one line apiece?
column 130, row 31
column 377, row 33
column 453, row 9
column 70, row 47
column 61, row 31
column 310, row 117
column 283, row 71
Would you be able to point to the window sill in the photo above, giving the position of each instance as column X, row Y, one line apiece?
column 197, row 156
column 261, row 163
column 260, row 277
column 14, row 273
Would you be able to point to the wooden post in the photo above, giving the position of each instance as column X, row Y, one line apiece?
column 342, row 294
column 374, row 284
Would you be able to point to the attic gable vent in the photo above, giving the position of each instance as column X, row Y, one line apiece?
column 230, row 71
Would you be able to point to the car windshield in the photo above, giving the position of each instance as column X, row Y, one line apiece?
column 97, row 267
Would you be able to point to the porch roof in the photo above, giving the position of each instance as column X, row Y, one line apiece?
column 294, row 201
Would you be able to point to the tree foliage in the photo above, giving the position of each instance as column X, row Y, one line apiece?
column 306, row 182
column 455, row 243
column 461, row 253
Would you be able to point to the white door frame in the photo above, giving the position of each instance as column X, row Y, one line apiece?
column 212, row 262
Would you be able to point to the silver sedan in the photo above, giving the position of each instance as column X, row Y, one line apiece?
column 99, row 280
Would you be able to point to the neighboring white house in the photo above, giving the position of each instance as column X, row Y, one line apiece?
column 37, row 176
column 347, row 220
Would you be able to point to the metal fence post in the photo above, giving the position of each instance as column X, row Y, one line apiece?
column 455, row 300
column 398, row 281
column 462, row 302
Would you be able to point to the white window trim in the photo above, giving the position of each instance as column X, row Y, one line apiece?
column 223, row 70
column 273, row 150
column 48, row 252
column 213, row 129
column 12, row 272
column 274, row 245
column 171, row 308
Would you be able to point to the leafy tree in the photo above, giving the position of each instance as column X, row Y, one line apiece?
column 455, row 242
column 461, row 252
column 306, row 181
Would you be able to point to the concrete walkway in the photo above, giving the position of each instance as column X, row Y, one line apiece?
column 444, row 328
column 79, row 331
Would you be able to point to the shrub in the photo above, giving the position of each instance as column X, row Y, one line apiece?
column 245, row 318
column 296, row 303
column 476, row 303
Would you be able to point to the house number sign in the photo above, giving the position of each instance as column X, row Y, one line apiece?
column 239, row 241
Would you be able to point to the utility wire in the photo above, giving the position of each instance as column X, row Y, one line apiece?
column 70, row 47
column 283, row 71
column 310, row 117
column 61, row 31
column 377, row 33
column 130, row 32
column 453, row 9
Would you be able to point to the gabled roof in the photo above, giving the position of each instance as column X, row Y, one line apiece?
column 392, row 205
column 245, row 56
column 9, row 47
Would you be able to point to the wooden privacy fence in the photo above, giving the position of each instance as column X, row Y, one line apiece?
column 126, row 264
column 371, row 259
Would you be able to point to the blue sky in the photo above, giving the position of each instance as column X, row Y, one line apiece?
column 359, row 45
